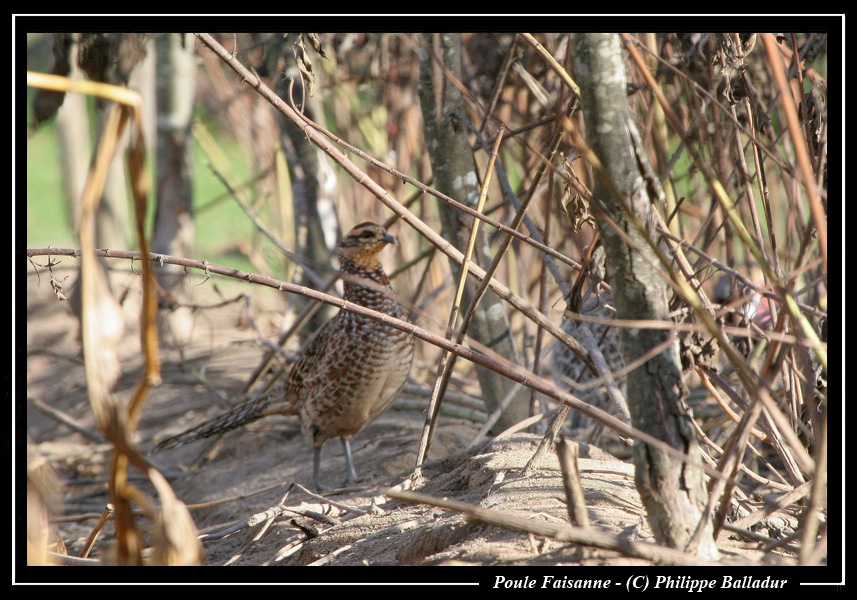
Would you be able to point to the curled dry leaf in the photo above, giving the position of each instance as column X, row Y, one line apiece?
column 696, row 350
column 42, row 497
column 575, row 204
column 174, row 535
column 304, row 63
column 315, row 41
column 106, row 326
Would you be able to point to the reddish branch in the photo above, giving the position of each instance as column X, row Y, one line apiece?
column 514, row 372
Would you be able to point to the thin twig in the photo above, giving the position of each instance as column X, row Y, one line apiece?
column 494, row 362
column 447, row 360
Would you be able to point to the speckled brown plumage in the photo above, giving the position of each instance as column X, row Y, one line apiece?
column 349, row 372
column 566, row 367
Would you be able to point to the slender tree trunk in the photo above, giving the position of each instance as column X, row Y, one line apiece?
column 73, row 130
column 673, row 492
column 313, row 182
column 174, row 228
column 455, row 175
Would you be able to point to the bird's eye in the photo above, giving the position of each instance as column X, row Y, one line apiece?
column 367, row 234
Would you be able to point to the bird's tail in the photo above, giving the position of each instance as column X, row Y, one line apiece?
column 235, row 417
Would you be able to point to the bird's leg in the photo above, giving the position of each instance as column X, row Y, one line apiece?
column 352, row 473
column 316, row 463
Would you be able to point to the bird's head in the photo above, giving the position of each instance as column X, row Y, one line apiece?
column 362, row 244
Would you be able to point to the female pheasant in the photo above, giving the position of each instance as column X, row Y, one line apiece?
column 566, row 367
column 349, row 372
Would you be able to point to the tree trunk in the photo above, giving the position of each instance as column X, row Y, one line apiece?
column 455, row 175
column 174, row 228
column 313, row 184
column 73, row 130
column 673, row 492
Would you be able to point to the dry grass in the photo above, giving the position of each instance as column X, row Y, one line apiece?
column 741, row 154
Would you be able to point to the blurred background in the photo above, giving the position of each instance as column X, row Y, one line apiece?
column 235, row 184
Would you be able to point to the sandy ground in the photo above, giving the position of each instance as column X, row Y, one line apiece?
column 249, row 470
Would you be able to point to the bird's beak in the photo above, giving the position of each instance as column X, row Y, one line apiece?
column 390, row 239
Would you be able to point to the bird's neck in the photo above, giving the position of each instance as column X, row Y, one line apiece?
column 353, row 272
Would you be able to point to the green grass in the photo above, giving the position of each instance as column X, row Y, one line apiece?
column 47, row 211
column 219, row 227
